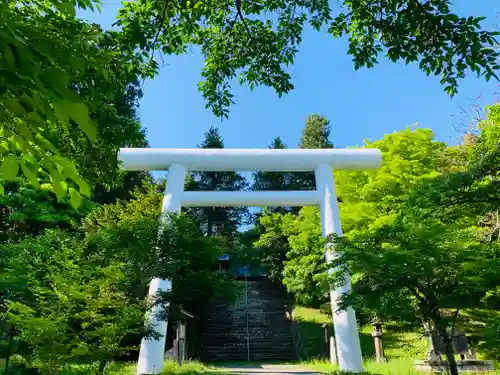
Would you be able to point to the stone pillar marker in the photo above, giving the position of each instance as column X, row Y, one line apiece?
column 321, row 161
column 377, row 338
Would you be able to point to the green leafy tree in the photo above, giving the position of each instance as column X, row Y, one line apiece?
column 181, row 254
column 117, row 126
column 60, row 307
column 474, row 190
column 272, row 244
column 369, row 199
column 305, row 265
column 491, row 337
column 422, row 264
column 81, row 296
column 26, row 211
column 58, row 73
column 235, row 39
column 217, row 220
column 238, row 41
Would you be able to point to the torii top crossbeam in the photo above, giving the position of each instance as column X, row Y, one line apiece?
column 225, row 160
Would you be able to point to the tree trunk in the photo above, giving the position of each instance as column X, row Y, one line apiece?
column 102, row 366
column 8, row 354
column 450, row 356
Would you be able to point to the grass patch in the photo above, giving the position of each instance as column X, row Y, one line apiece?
column 400, row 366
column 399, row 343
column 116, row 368
column 169, row 367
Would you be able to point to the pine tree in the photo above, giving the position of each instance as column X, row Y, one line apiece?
column 217, row 220
column 315, row 135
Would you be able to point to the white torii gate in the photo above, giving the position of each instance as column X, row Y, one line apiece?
column 179, row 161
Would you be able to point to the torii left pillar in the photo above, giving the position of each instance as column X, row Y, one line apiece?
column 152, row 351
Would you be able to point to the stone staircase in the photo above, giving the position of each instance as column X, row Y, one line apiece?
column 262, row 314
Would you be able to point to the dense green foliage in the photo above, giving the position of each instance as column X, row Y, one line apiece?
column 60, row 306
column 239, row 41
column 421, row 234
column 64, row 77
column 79, row 238
column 81, row 297
column 64, row 95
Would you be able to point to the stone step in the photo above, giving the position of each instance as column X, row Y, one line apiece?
column 268, row 320
column 243, row 341
column 243, row 357
column 270, row 308
column 243, row 350
column 230, row 320
column 253, row 349
column 218, row 356
column 251, row 315
column 263, row 310
column 269, row 323
column 251, row 332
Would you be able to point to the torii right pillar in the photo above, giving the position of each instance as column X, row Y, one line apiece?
column 346, row 329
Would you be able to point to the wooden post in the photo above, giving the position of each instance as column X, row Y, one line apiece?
column 181, row 342
column 377, row 338
column 326, row 338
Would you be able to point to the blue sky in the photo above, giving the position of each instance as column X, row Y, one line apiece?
column 362, row 104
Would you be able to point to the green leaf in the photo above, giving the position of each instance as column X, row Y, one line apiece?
column 27, row 103
column 8, row 56
column 105, row 73
column 69, row 169
column 66, row 8
column 35, row 118
column 80, row 115
column 9, row 168
column 75, row 198
column 30, row 175
column 24, row 130
column 14, row 107
column 4, row 148
column 59, row 187
column 84, row 187
column 46, row 144
column 56, row 77
column 2, row 191
column 21, row 143
column 63, row 109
